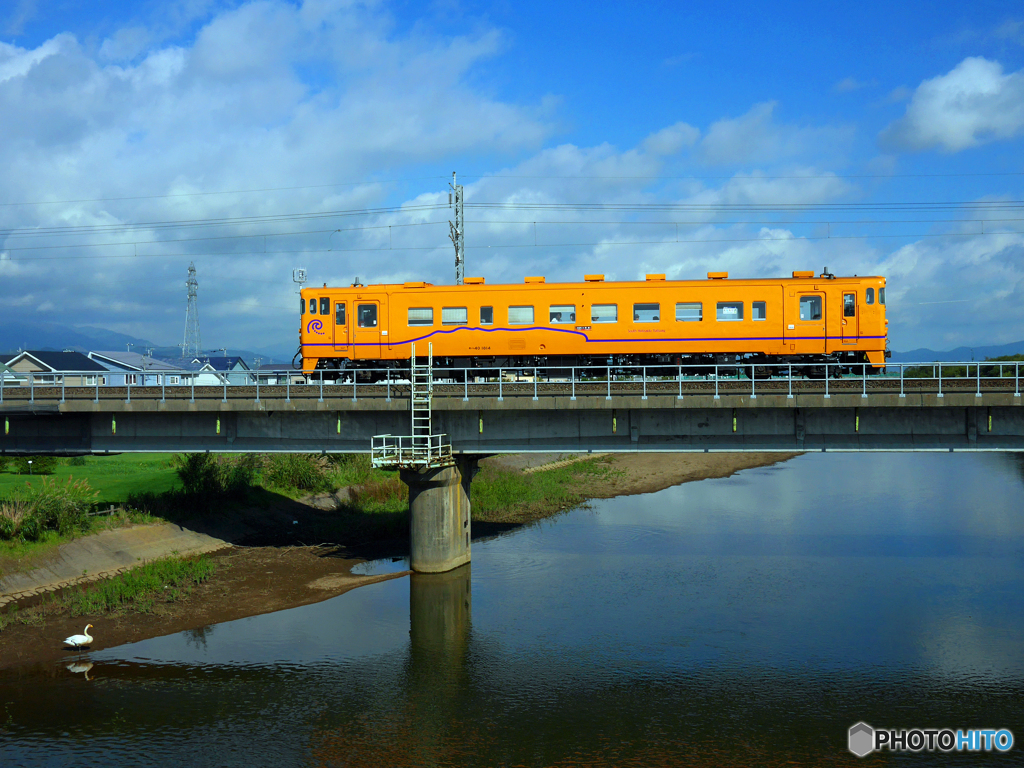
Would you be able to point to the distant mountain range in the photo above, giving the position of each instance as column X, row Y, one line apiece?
column 960, row 354
column 18, row 334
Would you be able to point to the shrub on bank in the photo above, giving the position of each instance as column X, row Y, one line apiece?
column 50, row 505
column 34, row 465
column 302, row 471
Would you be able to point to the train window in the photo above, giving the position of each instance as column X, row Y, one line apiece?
column 486, row 315
column 339, row 313
column 325, row 305
column 881, row 295
column 730, row 310
column 849, row 305
column 302, row 306
column 520, row 315
column 454, row 316
column 312, row 306
column 367, row 314
column 604, row 313
column 869, row 296
column 421, row 316
column 758, row 310
column 562, row 314
column 810, row 307
column 689, row 312
column 646, row 313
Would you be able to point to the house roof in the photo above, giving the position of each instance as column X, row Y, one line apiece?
column 134, row 361
column 230, row 363
column 60, row 361
column 8, row 372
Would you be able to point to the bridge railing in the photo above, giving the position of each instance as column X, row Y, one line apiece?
column 408, row 452
column 748, row 378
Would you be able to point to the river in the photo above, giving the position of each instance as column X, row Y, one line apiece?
column 749, row 620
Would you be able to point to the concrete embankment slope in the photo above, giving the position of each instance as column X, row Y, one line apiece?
column 106, row 554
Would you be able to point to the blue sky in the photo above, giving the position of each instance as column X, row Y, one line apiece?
column 874, row 113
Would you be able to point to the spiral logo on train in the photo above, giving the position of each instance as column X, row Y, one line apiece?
column 315, row 326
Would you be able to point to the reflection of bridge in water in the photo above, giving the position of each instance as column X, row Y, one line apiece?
column 945, row 407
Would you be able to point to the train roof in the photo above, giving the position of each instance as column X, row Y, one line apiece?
column 594, row 280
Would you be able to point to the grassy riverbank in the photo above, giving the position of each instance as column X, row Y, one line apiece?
column 138, row 590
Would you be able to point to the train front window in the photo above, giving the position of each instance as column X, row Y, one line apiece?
column 849, row 305
column 312, row 306
column 810, row 308
column 339, row 313
column 325, row 305
column 730, row 310
column 454, row 316
column 302, row 306
column 562, row 314
column 646, row 313
column 520, row 315
column 881, row 295
column 869, row 296
column 604, row 313
column 486, row 315
column 367, row 314
column 421, row 316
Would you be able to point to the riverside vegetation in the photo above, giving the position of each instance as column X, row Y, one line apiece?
column 38, row 513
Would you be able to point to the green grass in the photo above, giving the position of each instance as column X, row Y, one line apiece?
column 114, row 477
column 162, row 581
column 138, row 590
column 507, row 495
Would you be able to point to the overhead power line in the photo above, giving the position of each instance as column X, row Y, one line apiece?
column 750, row 177
column 234, row 221
column 367, row 182
column 497, row 246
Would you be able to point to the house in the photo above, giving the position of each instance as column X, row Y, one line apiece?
column 271, row 374
column 142, row 370
column 10, row 377
column 69, row 368
column 217, row 371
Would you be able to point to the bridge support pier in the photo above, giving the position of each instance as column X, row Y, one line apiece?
column 439, row 514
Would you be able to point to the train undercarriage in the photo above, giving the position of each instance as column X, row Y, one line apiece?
column 758, row 365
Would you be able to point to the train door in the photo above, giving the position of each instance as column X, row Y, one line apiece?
column 851, row 318
column 805, row 322
column 367, row 330
column 341, row 334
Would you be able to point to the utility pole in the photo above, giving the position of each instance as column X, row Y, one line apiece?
column 191, row 345
column 458, row 231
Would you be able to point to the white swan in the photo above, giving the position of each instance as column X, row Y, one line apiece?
column 78, row 668
column 80, row 641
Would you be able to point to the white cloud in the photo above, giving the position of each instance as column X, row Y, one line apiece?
column 848, row 84
column 1012, row 30
column 16, row 62
column 757, row 137
column 972, row 104
column 671, row 140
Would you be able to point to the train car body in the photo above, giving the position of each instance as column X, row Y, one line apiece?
column 804, row 320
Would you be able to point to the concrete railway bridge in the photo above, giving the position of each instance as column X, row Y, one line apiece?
column 952, row 407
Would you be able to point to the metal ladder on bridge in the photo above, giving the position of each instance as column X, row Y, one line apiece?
column 421, row 449
column 422, row 389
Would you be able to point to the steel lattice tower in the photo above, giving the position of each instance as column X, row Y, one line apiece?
column 458, row 232
column 190, row 347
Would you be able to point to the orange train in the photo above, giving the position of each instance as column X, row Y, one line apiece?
column 804, row 321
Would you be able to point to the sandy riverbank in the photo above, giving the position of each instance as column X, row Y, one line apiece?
column 253, row 580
